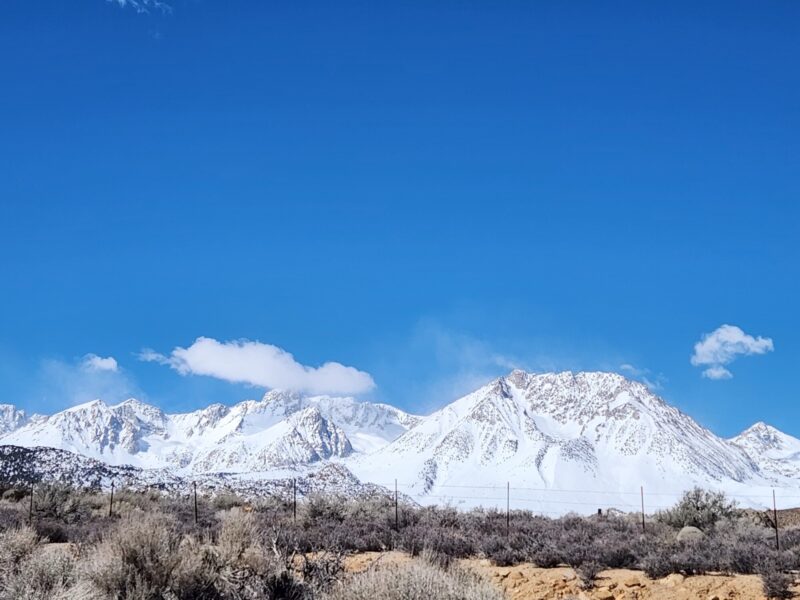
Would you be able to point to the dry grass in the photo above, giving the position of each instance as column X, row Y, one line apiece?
column 414, row 581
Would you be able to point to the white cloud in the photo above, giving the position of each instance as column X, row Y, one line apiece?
column 722, row 346
column 92, row 362
column 261, row 365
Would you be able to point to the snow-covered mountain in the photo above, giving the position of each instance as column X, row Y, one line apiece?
column 595, row 437
column 281, row 430
column 565, row 441
column 26, row 466
column 11, row 418
column 771, row 449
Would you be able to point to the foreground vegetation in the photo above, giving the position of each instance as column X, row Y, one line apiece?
column 150, row 546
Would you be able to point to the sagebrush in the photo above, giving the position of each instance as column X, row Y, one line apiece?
column 148, row 546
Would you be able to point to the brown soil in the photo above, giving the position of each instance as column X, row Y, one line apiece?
column 526, row 582
column 358, row 563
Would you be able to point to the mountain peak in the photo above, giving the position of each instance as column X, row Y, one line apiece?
column 91, row 404
column 770, row 448
column 758, row 427
column 281, row 396
column 519, row 377
column 11, row 418
column 133, row 402
column 764, row 436
column 560, row 429
column 522, row 378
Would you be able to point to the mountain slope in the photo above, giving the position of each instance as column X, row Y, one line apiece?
column 32, row 466
column 11, row 418
column 302, row 438
column 771, row 449
column 283, row 429
column 560, row 431
column 564, row 441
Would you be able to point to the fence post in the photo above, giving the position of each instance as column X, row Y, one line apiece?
column 641, row 491
column 775, row 518
column 30, row 508
column 294, row 500
column 508, row 508
column 396, row 517
column 194, row 485
column 111, row 501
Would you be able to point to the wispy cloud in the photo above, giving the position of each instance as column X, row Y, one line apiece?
column 261, row 365
column 437, row 364
column 143, row 6
column 464, row 350
column 654, row 381
column 722, row 346
column 65, row 382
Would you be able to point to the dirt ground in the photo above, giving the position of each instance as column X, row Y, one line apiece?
column 526, row 582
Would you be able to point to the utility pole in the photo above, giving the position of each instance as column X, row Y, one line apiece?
column 294, row 500
column 111, row 501
column 775, row 518
column 641, row 491
column 396, row 517
column 194, row 485
column 30, row 508
column 508, row 508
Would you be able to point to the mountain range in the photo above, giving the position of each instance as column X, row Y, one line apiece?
column 561, row 441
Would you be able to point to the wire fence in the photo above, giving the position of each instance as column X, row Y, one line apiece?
column 543, row 501
column 558, row 502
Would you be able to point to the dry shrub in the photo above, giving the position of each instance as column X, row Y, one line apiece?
column 587, row 572
column 197, row 575
column 43, row 575
column 699, row 508
column 15, row 494
column 145, row 500
column 136, row 560
column 546, row 555
column 437, row 559
column 60, row 502
column 414, row 581
column 322, row 570
column 226, row 501
column 777, row 585
column 237, row 534
column 15, row 546
column 501, row 553
column 12, row 516
column 319, row 508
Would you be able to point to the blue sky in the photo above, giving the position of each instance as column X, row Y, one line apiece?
column 428, row 192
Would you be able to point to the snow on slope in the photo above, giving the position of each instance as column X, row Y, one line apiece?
column 282, row 429
column 595, row 432
column 771, row 449
column 565, row 441
column 25, row 466
column 11, row 418
column 301, row 438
